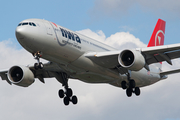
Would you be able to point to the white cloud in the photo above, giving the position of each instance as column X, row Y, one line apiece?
column 10, row 55
column 96, row 101
column 99, row 35
column 154, row 99
column 119, row 40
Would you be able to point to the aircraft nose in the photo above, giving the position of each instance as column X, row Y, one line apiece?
column 24, row 35
column 20, row 33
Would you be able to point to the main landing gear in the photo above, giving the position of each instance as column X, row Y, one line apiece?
column 130, row 86
column 37, row 56
column 68, row 93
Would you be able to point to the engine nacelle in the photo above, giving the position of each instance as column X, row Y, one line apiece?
column 21, row 76
column 131, row 59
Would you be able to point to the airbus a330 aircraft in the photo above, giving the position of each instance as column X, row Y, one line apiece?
column 75, row 56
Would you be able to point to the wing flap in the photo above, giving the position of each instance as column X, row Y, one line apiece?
column 173, row 54
column 3, row 75
column 161, row 53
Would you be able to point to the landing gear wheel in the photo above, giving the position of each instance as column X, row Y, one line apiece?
column 123, row 85
column 74, row 100
column 69, row 92
column 130, row 86
column 41, row 65
column 137, row 91
column 129, row 92
column 61, row 93
column 37, row 56
column 132, row 83
column 66, row 101
column 36, row 66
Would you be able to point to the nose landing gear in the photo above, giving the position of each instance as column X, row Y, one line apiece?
column 37, row 56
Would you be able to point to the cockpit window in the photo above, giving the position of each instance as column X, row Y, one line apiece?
column 30, row 24
column 33, row 24
column 19, row 24
column 26, row 23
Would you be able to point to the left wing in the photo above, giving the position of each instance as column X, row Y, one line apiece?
column 151, row 55
column 105, row 59
column 161, row 53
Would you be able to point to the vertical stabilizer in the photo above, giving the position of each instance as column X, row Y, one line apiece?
column 157, row 37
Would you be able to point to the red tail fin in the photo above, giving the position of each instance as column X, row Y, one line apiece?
column 157, row 37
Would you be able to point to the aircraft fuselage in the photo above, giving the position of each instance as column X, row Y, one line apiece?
column 67, row 48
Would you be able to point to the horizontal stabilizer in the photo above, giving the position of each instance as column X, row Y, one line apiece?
column 169, row 72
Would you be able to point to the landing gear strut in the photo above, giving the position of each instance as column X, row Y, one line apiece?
column 68, row 93
column 130, row 86
column 37, row 56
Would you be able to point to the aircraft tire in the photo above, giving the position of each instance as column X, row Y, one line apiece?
column 36, row 66
column 137, row 91
column 132, row 83
column 61, row 93
column 123, row 85
column 66, row 100
column 40, row 65
column 74, row 100
column 69, row 92
column 129, row 92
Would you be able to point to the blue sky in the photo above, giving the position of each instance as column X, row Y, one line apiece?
column 78, row 15
column 97, row 18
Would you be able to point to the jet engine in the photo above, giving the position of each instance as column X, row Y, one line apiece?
column 131, row 59
column 21, row 76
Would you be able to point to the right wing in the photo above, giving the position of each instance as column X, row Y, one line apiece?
column 49, row 70
column 3, row 75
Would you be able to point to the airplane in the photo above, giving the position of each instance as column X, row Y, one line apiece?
column 71, row 55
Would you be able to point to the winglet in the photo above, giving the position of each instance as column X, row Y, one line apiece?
column 157, row 37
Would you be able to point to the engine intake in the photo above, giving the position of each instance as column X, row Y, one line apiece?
column 21, row 76
column 131, row 59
